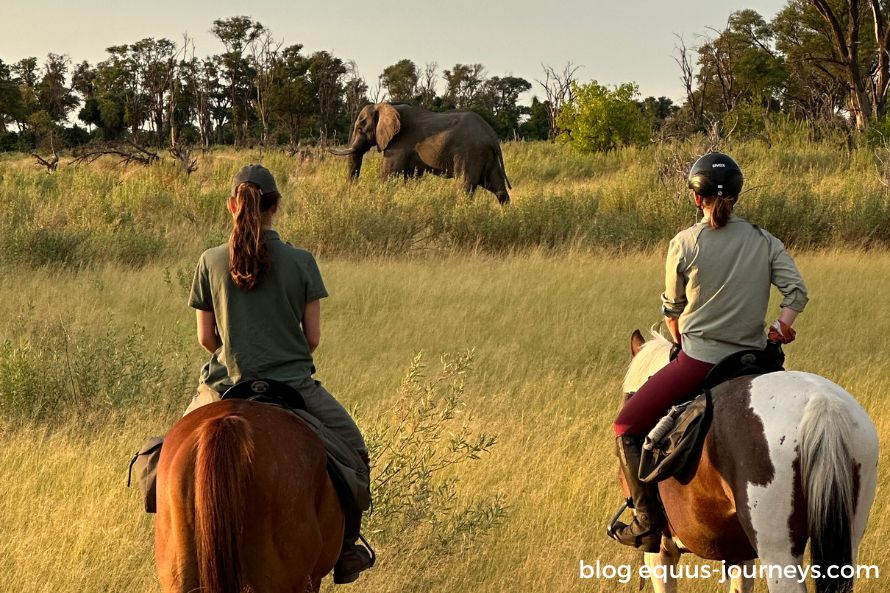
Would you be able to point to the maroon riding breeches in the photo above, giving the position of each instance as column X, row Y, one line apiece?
column 674, row 382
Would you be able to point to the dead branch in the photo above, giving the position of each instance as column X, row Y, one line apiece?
column 51, row 165
column 558, row 87
column 128, row 152
column 183, row 155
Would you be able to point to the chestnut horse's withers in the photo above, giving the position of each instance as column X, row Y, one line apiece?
column 244, row 500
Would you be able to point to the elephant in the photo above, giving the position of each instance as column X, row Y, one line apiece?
column 414, row 141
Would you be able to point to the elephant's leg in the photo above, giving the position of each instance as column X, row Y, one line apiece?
column 392, row 165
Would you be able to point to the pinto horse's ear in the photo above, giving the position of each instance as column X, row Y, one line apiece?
column 636, row 342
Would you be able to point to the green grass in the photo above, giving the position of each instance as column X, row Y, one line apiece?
column 812, row 194
column 551, row 336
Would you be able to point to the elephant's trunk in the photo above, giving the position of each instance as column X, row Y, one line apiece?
column 355, row 164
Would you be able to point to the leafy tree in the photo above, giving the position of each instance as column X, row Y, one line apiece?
column 11, row 107
column 236, row 34
column 325, row 74
column 463, row 83
column 599, row 118
column 657, row 110
column 499, row 97
column 401, row 81
column 537, row 126
column 739, row 65
column 291, row 100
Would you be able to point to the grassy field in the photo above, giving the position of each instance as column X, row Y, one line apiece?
column 97, row 350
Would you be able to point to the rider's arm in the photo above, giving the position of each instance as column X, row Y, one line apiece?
column 312, row 324
column 207, row 335
column 786, row 277
column 673, row 300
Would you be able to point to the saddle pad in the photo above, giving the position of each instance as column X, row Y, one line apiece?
column 671, row 454
column 345, row 467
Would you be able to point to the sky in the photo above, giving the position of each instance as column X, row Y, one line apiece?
column 613, row 41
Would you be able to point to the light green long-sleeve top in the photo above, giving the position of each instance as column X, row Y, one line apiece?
column 717, row 281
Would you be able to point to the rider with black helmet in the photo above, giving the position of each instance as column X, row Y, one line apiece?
column 717, row 281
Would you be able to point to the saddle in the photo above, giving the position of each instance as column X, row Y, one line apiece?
column 674, row 445
column 345, row 468
column 267, row 391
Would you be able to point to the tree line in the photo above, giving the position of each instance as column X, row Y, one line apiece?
column 823, row 62
column 816, row 60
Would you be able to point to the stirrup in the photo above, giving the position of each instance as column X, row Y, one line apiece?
column 615, row 524
column 371, row 551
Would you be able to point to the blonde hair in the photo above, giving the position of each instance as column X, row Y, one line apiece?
column 248, row 255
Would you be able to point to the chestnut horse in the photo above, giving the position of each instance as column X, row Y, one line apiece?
column 789, row 457
column 244, row 502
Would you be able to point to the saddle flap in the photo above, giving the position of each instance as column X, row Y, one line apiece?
column 671, row 454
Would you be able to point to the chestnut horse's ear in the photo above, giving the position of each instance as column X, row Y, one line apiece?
column 388, row 125
column 636, row 342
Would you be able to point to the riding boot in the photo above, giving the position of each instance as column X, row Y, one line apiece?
column 644, row 533
column 354, row 558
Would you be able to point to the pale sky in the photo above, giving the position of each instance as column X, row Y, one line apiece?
column 614, row 41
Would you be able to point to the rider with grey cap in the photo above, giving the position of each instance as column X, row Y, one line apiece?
column 257, row 301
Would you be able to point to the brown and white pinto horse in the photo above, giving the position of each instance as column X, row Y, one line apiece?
column 789, row 457
column 244, row 502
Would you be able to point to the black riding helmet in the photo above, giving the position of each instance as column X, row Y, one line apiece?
column 716, row 174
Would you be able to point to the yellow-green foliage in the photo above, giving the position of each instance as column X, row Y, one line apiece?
column 550, row 334
column 808, row 193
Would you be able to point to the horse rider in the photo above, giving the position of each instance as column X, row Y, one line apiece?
column 717, row 284
column 257, row 301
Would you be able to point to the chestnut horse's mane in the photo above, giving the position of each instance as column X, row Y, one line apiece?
column 651, row 357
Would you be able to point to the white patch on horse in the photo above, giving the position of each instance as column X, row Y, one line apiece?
column 795, row 409
column 778, row 400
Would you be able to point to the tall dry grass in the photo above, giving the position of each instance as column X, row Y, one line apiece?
column 550, row 334
column 811, row 193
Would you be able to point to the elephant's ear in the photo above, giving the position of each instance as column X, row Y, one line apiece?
column 388, row 125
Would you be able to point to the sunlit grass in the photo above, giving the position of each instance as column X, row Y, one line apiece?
column 812, row 194
column 551, row 336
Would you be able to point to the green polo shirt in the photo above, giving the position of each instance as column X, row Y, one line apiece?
column 717, row 281
column 260, row 329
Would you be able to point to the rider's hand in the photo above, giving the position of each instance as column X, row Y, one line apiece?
column 780, row 332
column 675, row 350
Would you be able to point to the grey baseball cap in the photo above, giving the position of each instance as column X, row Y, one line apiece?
column 257, row 175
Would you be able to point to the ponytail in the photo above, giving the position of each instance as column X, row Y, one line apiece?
column 721, row 210
column 248, row 256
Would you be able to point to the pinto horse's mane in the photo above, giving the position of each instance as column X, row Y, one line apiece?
column 652, row 356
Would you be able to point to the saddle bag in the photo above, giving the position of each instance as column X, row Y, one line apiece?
column 676, row 440
column 145, row 464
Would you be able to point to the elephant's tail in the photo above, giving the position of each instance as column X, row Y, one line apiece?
column 503, row 168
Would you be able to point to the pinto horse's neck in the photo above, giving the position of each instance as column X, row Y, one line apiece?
column 646, row 362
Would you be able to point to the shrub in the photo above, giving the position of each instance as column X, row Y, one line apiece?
column 599, row 118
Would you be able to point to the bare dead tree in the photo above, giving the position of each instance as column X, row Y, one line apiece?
column 183, row 155
column 687, row 76
column 263, row 52
column 128, row 152
column 426, row 86
column 356, row 90
column 376, row 93
column 50, row 164
column 558, row 87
